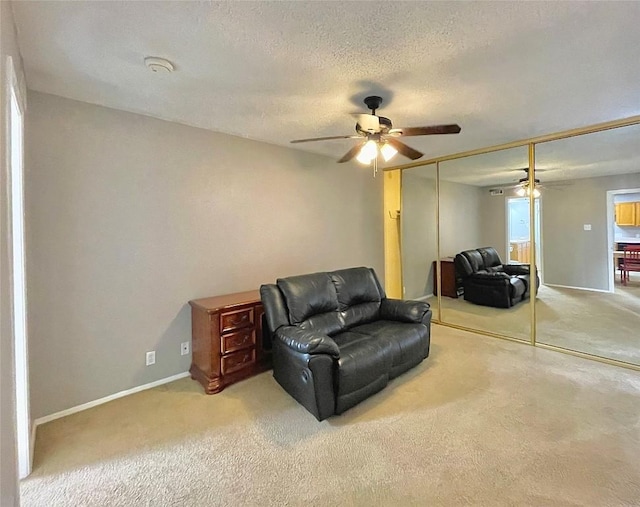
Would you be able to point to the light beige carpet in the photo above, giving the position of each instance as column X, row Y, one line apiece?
column 483, row 421
column 602, row 324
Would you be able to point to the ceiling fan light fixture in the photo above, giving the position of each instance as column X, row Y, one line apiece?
column 524, row 190
column 368, row 152
column 388, row 152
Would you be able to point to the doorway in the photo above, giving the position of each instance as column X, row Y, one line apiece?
column 18, row 280
column 620, row 233
column 519, row 231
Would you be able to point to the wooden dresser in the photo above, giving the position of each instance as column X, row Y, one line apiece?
column 228, row 343
column 450, row 287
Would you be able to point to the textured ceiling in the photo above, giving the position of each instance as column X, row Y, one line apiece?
column 276, row 71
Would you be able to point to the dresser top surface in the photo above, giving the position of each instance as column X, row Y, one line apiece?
column 217, row 303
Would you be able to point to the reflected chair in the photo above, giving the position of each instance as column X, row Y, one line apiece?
column 488, row 282
column 630, row 261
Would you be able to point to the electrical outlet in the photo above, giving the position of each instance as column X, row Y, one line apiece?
column 587, row 227
column 151, row 358
column 184, row 348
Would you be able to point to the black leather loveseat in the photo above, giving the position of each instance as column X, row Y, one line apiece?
column 486, row 281
column 337, row 339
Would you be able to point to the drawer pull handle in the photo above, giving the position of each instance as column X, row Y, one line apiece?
column 239, row 319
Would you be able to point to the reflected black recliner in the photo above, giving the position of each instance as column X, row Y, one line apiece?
column 486, row 281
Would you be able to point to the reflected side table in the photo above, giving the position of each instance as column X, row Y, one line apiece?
column 449, row 285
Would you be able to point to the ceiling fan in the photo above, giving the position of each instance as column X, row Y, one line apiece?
column 376, row 133
column 522, row 185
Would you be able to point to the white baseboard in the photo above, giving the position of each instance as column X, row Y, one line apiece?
column 576, row 288
column 106, row 399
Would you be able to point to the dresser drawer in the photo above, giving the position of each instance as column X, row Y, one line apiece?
column 238, row 340
column 238, row 360
column 230, row 321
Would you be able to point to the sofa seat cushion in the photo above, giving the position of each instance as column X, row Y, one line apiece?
column 408, row 342
column 363, row 360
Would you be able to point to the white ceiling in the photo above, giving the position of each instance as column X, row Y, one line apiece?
column 276, row 71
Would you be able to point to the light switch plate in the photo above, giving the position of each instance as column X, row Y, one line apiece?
column 587, row 227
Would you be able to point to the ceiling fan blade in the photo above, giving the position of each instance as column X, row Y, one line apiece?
column 427, row 131
column 351, row 153
column 403, row 149
column 325, row 138
column 368, row 122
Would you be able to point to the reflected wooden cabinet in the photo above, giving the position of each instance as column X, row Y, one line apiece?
column 228, row 343
column 628, row 214
column 450, row 287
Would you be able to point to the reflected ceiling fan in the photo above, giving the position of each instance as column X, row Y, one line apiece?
column 522, row 188
column 376, row 134
column 522, row 185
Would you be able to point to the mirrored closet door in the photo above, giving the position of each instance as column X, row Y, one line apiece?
column 590, row 216
column 485, row 222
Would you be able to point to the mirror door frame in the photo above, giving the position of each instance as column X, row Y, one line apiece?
column 392, row 247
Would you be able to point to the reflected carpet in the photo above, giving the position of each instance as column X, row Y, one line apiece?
column 598, row 323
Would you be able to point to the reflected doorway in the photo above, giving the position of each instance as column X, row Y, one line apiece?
column 623, row 229
column 519, row 231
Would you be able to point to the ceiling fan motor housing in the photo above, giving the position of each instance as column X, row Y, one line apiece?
column 385, row 126
column 373, row 102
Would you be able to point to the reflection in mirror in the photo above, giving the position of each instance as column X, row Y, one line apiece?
column 590, row 216
column 484, row 237
column 419, row 249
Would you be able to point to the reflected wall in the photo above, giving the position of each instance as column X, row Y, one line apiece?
column 583, row 304
column 474, row 194
column 419, row 228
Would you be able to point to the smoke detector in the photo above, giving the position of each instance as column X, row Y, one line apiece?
column 158, row 65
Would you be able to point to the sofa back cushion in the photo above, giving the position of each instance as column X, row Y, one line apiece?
column 308, row 296
column 359, row 295
column 275, row 308
column 469, row 262
column 490, row 258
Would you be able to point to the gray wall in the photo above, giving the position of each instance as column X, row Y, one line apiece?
column 418, row 232
column 8, row 464
column 460, row 224
column 129, row 217
column 459, row 227
column 572, row 256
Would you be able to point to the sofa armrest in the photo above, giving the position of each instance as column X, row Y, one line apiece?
column 516, row 269
column 415, row 312
column 307, row 342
